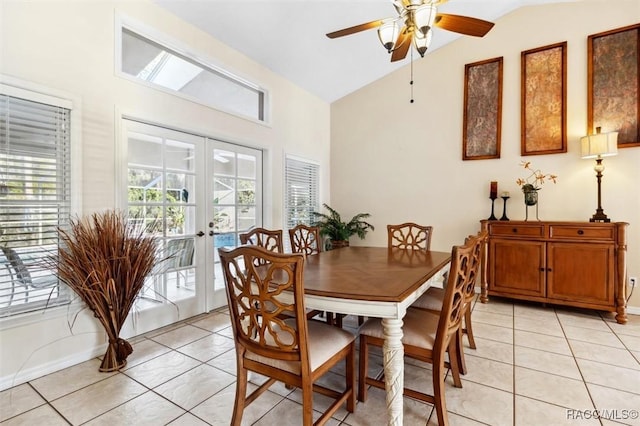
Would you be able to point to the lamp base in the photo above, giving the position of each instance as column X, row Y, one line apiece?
column 599, row 216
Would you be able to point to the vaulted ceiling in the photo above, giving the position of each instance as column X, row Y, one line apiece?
column 288, row 36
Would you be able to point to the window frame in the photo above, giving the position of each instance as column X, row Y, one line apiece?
column 15, row 87
column 182, row 50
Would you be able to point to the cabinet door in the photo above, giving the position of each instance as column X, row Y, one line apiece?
column 517, row 267
column 581, row 273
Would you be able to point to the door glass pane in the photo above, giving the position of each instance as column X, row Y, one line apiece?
column 247, row 218
column 236, row 204
column 144, row 149
column 180, row 156
column 247, row 192
column 224, row 162
column 161, row 182
column 224, row 219
column 246, row 166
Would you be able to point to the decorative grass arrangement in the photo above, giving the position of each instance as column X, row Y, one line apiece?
column 105, row 259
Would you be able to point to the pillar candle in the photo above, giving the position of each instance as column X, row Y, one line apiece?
column 494, row 190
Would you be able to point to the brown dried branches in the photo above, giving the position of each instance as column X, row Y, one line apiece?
column 105, row 259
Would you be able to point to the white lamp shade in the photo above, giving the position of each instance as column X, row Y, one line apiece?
column 388, row 34
column 422, row 43
column 599, row 145
column 424, row 17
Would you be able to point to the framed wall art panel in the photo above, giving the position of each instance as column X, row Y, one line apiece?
column 482, row 117
column 613, row 84
column 543, row 106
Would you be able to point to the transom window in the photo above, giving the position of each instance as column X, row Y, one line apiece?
column 151, row 62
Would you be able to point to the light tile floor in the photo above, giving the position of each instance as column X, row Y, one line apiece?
column 533, row 365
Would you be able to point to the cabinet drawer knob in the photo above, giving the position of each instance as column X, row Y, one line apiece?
column 580, row 232
column 515, row 230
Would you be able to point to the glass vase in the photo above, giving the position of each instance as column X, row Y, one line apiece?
column 531, row 197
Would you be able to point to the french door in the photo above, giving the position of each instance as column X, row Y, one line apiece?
column 194, row 194
column 236, row 204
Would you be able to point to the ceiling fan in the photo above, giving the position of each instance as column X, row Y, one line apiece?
column 414, row 22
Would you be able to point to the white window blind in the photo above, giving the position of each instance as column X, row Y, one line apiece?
column 35, row 193
column 301, row 192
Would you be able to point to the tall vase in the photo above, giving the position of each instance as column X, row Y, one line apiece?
column 530, row 199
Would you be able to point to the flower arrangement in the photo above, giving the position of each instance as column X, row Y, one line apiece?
column 536, row 177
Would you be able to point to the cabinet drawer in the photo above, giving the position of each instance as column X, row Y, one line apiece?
column 516, row 230
column 600, row 233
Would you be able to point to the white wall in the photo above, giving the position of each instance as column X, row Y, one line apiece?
column 69, row 46
column 403, row 162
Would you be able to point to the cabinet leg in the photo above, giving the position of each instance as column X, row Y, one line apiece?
column 621, row 317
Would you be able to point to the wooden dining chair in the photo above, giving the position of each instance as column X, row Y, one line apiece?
column 432, row 299
column 306, row 239
column 261, row 286
column 262, row 237
column 409, row 235
column 427, row 336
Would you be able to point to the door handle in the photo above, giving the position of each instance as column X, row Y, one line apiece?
column 200, row 234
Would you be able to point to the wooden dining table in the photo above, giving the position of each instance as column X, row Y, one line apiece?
column 375, row 282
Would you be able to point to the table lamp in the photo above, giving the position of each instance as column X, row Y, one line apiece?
column 598, row 146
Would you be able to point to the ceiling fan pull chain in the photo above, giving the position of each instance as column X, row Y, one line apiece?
column 411, row 81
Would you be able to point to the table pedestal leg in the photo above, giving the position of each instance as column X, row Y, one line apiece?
column 393, row 356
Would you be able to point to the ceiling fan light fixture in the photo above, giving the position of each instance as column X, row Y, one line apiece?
column 397, row 4
column 424, row 17
column 388, row 34
column 422, row 43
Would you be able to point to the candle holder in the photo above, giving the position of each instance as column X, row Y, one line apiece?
column 504, row 210
column 493, row 199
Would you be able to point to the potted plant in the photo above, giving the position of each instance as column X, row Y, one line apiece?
column 332, row 226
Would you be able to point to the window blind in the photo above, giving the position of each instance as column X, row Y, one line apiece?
column 301, row 192
column 35, row 194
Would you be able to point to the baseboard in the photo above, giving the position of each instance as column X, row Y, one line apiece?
column 33, row 373
column 633, row 310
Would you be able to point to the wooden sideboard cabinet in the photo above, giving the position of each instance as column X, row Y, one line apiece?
column 580, row 264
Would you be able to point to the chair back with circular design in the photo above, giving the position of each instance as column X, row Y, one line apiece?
column 409, row 236
column 305, row 239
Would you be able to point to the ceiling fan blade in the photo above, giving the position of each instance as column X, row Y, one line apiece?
column 463, row 24
column 355, row 29
column 402, row 45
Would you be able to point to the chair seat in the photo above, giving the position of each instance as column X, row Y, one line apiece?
column 431, row 299
column 324, row 342
column 419, row 328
